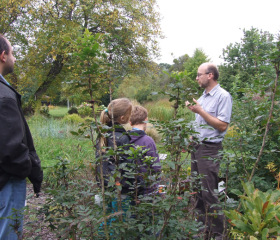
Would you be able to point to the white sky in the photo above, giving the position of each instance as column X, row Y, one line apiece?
column 211, row 25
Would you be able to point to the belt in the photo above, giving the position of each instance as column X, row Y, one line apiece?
column 205, row 142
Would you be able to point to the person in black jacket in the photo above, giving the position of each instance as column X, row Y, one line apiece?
column 110, row 165
column 117, row 114
column 18, row 157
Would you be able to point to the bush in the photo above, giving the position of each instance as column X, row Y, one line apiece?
column 44, row 110
column 73, row 118
column 85, row 110
column 260, row 214
column 73, row 110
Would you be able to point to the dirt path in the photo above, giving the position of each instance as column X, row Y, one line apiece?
column 34, row 225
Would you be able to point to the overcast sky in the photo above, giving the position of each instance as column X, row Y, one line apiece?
column 212, row 25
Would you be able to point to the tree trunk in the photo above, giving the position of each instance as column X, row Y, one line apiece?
column 54, row 71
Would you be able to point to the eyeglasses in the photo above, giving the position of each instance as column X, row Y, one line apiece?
column 200, row 74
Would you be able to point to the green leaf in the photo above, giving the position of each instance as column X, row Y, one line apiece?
column 264, row 233
column 171, row 164
column 74, row 133
column 236, row 192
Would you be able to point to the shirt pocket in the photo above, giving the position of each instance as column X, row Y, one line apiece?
column 212, row 111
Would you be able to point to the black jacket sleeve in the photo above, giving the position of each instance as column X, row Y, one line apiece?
column 14, row 153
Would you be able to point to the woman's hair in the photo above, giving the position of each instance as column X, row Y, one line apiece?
column 119, row 111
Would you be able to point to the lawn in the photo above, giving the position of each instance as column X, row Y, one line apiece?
column 56, row 111
column 53, row 140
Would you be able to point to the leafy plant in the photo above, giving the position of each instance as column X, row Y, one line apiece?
column 259, row 217
column 44, row 110
column 72, row 118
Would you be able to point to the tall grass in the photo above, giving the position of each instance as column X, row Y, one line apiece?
column 53, row 139
column 162, row 110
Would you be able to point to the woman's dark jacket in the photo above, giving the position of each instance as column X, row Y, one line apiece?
column 109, row 162
column 18, row 157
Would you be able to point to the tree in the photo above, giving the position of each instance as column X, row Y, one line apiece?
column 252, row 66
column 179, row 63
column 129, row 29
column 141, row 85
column 192, row 64
column 246, row 61
column 11, row 10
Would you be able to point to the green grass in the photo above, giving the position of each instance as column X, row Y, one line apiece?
column 163, row 110
column 58, row 111
column 53, row 139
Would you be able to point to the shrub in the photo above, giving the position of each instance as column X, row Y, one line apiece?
column 73, row 110
column 232, row 132
column 260, row 215
column 85, row 110
column 44, row 110
column 73, row 118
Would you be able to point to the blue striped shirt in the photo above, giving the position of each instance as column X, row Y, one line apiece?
column 218, row 103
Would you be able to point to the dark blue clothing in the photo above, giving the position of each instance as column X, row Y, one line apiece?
column 140, row 138
column 122, row 140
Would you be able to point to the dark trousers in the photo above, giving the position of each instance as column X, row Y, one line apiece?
column 205, row 161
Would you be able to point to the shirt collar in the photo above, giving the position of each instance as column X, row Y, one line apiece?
column 212, row 92
column 4, row 79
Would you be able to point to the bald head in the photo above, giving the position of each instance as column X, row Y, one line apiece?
column 211, row 68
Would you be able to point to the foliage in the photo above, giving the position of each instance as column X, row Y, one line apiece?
column 260, row 216
column 76, row 215
column 192, row 64
column 255, row 114
column 184, row 70
column 247, row 61
column 153, row 216
column 72, row 118
column 73, row 110
column 178, row 64
column 161, row 110
column 44, row 110
column 85, row 110
column 44, row 31
column 252, row 144
column 276, row 172
column 140, row 86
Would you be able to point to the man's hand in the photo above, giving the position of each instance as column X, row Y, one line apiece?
column 212, row 121
column 196, row 108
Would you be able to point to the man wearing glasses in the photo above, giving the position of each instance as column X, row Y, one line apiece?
column 212, row 116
